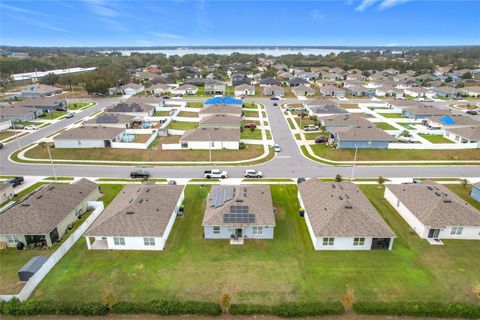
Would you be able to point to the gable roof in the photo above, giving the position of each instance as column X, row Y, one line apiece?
column 222, row 109
column 90, row 133
column 220, row 120
column 211, row 134
column 257, row 199
column 339, row 209
column 111, row 118
column 138, row 211
column 361, row 133
column 470, row 133
column 435, row 205
column 43, row 210
column 423, row 110
column 13, row 110
column 130, row 107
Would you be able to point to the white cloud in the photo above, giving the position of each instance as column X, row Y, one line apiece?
column 99, row 8
column 113, row 25
column 390, row 3
column 166, row 35
column 21, row 10
column 317, row 14
column 39, row 23
column 365, row 4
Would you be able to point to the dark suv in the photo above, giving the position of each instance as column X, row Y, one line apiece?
column 16, row 181
column 139, row 174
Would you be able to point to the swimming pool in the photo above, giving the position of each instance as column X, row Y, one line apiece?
column 128, row 138
column 147, row 124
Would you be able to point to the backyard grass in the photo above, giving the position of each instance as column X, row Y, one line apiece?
column 406, row 125
column 182, row 125
column 161, row 114
column 78, row 105
column 250, row 114
column 112, row 154
column 385, row 126
column 249, row 134
column 195, row 105
column 305, row 121
column 326, row 152
column 392, row 115
column 188, row 114
column 269, row 271
column 435, row 138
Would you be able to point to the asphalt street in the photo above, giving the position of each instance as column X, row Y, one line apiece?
column 289, row 163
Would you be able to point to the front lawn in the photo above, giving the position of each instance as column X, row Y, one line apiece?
column 182, row 125
column 305, row 121
column 155, row 153
column 188, row 114
column 195, row 104
column 435, row 138
column 313, row 135
column 250, row 114
column 393, row 155
column 161, row 114
column 392, row 115
column 384, row 126
column 78, row 105
column 269, row 271
column 53, row 115
column 249, row 134
column 257, row 122
column 406, row 125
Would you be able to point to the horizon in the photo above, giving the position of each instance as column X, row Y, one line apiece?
column 351, row 23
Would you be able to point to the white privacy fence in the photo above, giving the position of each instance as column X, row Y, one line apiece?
column 433, row 146
column 173, row 132
column 35, row 280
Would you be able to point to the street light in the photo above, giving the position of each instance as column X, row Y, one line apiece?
column 51, row 162
column 354, row 161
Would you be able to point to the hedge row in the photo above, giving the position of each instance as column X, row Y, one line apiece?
column 427, row 309
column 289, row 310
column 36, row 307
column 165, row 307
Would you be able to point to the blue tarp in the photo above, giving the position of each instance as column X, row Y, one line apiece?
column 447, row 120
column 223, row 100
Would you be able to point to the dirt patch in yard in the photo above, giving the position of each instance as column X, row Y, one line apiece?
column 154, row 154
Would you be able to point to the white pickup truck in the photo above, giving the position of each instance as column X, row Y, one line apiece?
column 215, row 173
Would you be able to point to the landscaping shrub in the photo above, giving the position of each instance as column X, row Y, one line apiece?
column 289, row 310
column 39, row 307
column 165, row 307
column 422, row 309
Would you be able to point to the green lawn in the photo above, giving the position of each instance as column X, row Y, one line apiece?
column 251, row 114
column 305, row 121
column 182, row 125
column 269, row 271
column 435, row 138
column 161, row 114
column 59, row 178
column 392, row 115
column 53, row 115
column 188, row 114
column 391, row 154
column 249, row 134
column 195, row 105
column 406, row 125
column 78, row 105
column 313, row 135
column 290, row 123
column 384, row 126
column 244, row 122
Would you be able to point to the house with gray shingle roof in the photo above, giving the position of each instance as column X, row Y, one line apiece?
column 340, row 217
column 361, row 136
column 238, row 213
column 46, row 214
column 303, row 91
column 433, row 211
column 17, row 113
column 89, row 137
column 470, row 134
column 139, row 218
column 112, row 120
column 211, row 139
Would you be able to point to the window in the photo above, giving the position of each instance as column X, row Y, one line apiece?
column 12, row 239
column 184, row 145
column 456, row 231
column 216, row 230
column 79, row 142
column 257, row 230
column 358, row 242
column 328, row 241
column 119, row 241
column 398, row 202
column 149, row 241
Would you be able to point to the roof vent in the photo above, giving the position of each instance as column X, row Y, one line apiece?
column 39, row 196
column 51, row 187
column 238, row 200
column 340, row 197
column 437, row 194
column 25, row 204
column 430, row 188
column 148, row 190
column 140, row 201
column 348, row 206
column 447, row 201
column 130, row 212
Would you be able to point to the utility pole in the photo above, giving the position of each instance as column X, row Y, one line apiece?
column 51, row 162
column 209, row 149
column 354, row 161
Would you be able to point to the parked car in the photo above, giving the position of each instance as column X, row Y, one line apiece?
column 276, row 147
column 70, row 115
column 31, row 127
column 300, row 180
column 311, row 127
column 1, row 145
column 139, row 174
column 172, row 182
column 472, row 112
column 321, row 139
column 301, row 109
column 215, row 173
column 275, row 104
column 290, row 109
column 16, row 181
column 252, row 173
column 274, row 98
column 166, row 97
column 250, row 125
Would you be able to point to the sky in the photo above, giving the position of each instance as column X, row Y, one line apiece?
column 248, row 22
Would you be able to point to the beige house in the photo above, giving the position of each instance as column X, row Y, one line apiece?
column 45, row 216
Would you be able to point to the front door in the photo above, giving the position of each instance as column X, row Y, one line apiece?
column 380, row 244
column 433, row 233
column 108, row 143
column 238, row 233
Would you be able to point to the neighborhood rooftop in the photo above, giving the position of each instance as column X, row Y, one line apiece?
column 138, row 211
column 211, row 134
column 43, row 210
column 91, row 132
column 130, row 107
column 339, row 209
column 435, row 205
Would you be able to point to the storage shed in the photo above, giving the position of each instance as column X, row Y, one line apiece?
column 31, row 267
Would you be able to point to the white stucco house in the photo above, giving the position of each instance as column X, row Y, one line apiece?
column 239, row 212
column 433, row 211
column 141, row 217
column 89, row 137
column 184, row 89
column 244, row 89
column 340, row 217
column 211, row 138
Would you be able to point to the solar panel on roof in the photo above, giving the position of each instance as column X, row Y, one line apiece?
column 238, row 218
column 239, row 209
column 220, row 195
